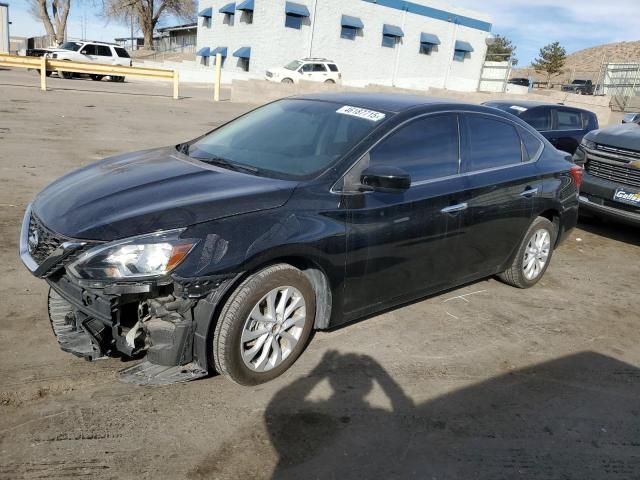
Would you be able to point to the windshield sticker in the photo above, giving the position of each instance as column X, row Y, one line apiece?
column 361, row 113
column 518, row 108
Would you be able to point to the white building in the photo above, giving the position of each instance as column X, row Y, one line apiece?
column 4, row 28
column 409, row 44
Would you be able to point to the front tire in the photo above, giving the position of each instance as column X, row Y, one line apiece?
column 533, row 256
column 264, row 325
column 96, row 78
column 287, row 80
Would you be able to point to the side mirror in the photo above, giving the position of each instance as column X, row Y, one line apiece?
column 385, row 179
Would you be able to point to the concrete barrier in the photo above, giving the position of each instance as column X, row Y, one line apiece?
column 261, row 91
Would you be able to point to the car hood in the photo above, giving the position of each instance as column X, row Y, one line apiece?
column 626, row 135
column 152, row 190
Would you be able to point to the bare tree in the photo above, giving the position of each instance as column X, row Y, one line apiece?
column 148, row 13
column 53, row 14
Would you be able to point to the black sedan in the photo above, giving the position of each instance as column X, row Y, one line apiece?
column 224, row 253
column 563, row 126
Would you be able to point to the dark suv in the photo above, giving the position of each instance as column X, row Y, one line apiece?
column 611, row 159
column 580, row 87
column 225, row 252
column 563, row 126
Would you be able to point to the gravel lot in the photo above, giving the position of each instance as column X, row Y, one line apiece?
column 484, row 381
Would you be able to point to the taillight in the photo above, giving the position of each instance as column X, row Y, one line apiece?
column 576, row 174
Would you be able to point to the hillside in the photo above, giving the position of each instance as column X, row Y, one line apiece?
column 585, row 64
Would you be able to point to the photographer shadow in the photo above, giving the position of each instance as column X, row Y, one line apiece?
column 576, row 417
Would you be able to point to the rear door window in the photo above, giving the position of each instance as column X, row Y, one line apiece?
column 491, row 143
column 538, row 118
column 319, row 67
column 568, row 119
column 103, row 51
column 532, row 144
column 426, row 148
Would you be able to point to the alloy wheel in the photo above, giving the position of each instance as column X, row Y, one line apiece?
column 273, row 329
column 536, row 254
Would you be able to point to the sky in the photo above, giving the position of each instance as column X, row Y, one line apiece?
column 576, row 24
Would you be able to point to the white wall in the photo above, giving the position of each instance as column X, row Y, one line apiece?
column 4, row 29
column 363, row 60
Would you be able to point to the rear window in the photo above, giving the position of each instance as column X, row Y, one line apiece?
column 332, row 67
column 492, row 143
column 122, row 52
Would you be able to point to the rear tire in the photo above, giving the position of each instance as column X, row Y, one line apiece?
column 264, row 326
column 65, row 75
column 96, row 78
column 533, row 256
column 330, row 82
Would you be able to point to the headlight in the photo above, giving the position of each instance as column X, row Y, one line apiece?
column 138, row 257
column 588, row 144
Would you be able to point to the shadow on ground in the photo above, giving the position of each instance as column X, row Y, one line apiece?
column 611, row 229
column 577, row 417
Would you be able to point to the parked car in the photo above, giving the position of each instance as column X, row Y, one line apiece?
column 225, row 252
column 631, row 118
column 309, row 69
column 611, row 160
column 580, row 87
column 523, row 82
column 92, row 52
column 563, row 126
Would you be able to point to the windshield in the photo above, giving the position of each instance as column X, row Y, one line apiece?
column 505, row 107
column 75, row 46
column 579, row 82
column 293, row 65
column 287, row 139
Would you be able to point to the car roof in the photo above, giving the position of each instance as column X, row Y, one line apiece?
column 389, row 102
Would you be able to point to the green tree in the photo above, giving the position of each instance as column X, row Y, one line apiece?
column 501, row 49
column 551, row 60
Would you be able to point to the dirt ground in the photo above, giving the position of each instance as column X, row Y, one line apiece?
column 484, row 381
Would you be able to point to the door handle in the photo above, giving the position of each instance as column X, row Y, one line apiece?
column 455, row 208
column 529, row 192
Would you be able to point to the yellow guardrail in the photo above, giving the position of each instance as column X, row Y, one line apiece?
column 43, row 64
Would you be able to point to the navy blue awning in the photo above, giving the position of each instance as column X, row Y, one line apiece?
column 353, row 22
column 463, row 46
column 392, row 31
column 207, row 13
column 429, row 38
column 229, row 8
column 221, row 50
column 296, row 9
column 243, row 52
column 204, row 52
column 246, row 5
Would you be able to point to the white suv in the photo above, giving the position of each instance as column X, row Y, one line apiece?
column 310, row 69
column 92, row 52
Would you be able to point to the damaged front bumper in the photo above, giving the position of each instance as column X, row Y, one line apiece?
column 166, row 320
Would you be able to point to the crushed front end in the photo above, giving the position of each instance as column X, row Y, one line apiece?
column 148, row 315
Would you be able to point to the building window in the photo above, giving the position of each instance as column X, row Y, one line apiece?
column 243, row 63
column 459, row 55
column 389, row 41
column 248, row 17
column 293, row 21
column 229, row 19
column 426, row 48
column 349, row 33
